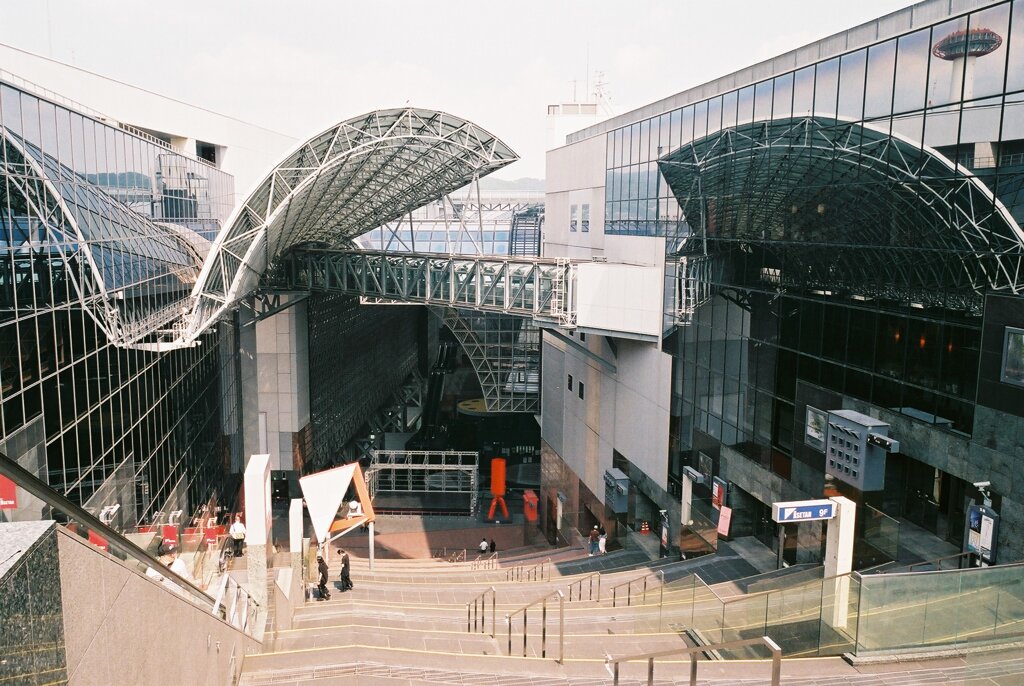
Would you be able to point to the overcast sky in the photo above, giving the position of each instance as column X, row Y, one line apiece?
column 299, row 66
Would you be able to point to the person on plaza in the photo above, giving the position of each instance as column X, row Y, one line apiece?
column 483, row 545
column 346, row 567
column 594, row 539
column 237, row 534
column 494, row 546
column 602, row 540
column 321, row 567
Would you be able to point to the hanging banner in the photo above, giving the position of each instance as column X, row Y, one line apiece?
column 8, row 494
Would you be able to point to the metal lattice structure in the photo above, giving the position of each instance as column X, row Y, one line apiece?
column 130, row 274
column 356, row 176
column 505, row 353
column 533, row 287
column 844, row 205
column 416, row 471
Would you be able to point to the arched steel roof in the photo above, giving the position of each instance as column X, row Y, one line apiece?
column 348, row 180
column 129, row 273
column 843, row 204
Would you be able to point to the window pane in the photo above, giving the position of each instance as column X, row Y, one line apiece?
column 911, row 71
column 881, row 63
column 826, row 87
column 851, row 85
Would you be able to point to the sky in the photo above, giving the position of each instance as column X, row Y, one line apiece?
column 298, row 66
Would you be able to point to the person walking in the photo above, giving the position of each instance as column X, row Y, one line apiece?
column 483, row 545
column 602, row 540
column 594, row 539
column 321, row 567
column 237, row 534
column 346, row 569
column 494, row 546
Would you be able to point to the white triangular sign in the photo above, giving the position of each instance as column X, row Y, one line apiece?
column 324, row 492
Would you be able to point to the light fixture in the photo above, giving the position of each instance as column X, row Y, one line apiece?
column 821, row 208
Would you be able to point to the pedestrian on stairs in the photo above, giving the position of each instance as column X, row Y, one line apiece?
column 594, row 540
column 346, row 567
column 321, row 567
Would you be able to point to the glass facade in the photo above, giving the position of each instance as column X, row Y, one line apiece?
column 859, row 211
column 101, row 232
column 899, row 85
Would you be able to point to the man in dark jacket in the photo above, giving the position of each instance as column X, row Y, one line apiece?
column 321, row 567
column 346, row 580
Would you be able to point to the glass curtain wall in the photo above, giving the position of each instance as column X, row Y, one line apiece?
column 956, row 87
column 155, row 416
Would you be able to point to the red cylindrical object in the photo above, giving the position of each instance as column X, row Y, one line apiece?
column 498, row 477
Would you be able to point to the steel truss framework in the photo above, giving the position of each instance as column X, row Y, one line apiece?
column 505, row 353
column 356, row 176
column 415, row 471
column 130, row 274
column 533, row 287
column 835, row 204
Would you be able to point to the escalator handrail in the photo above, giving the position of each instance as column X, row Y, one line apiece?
column 31, row 483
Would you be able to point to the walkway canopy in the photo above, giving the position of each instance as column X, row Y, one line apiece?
column 348, row 180
column 844, row 206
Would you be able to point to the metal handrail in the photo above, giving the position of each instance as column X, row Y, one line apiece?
column 629, row 588
column 543, row 625
column 612, row 663
column 534, row 573
column 478, row 607
column 458, row 556
column 485, row 562
column 578, row 585
column 28, row 481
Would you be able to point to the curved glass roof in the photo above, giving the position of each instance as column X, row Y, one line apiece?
column 340, row 184
column 129, row 273
column 844, row 204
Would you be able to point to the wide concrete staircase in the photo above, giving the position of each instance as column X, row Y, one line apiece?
column 540, row 616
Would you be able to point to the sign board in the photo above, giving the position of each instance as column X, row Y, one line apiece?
column 8, row 494
column 616, row 490
column 982, row 533
column 815, row 428
column 803, row 511
column 724, row 519
column 718, row 491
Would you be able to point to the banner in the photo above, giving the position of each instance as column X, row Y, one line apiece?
column 8, row 494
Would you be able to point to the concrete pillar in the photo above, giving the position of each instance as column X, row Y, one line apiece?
column 295, row 537
column 839, row 558
column 687, row 500
column 257, row 528
column 371, row 545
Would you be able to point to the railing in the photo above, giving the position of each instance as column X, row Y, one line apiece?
column 589, row 580
column 643, row 597
column 937, row 564
column 538, row 572
column 81, row 522
column 477, row 608
column 485, row 562
column 612, row 663
column 235, row 605
column 543, row 625
column 458, row 556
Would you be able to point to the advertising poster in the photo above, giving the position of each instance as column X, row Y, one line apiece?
column 8, row 494
column 815, row 429
column 724, row 519
column 718, row 493
column 982, row 530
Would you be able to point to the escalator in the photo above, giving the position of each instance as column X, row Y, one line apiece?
column 431, row 436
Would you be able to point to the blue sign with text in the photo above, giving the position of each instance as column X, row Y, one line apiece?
column 803, row 511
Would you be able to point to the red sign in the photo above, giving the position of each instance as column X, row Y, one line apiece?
column 8, row 494
column 169, row 534
column 212, row 533
column 98, row 541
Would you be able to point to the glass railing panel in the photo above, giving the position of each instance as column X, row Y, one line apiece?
column 1009, row 603
column 707, row 614
column 838, row 625
column 881, row 532
column 743, row 618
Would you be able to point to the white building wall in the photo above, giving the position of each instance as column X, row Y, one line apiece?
column 626, row 410
column 246, row 151
column 282, row 362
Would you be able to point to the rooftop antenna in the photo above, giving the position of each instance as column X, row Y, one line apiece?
column 601, row 94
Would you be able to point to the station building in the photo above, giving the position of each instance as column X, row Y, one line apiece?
column 839, row 229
